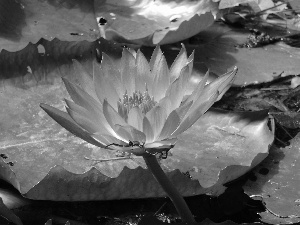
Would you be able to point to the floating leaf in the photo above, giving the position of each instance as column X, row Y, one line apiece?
column 150, row 22
column 276, row 180
column 256, row 4
column 44, row 161
column 222, row 146
column 295, row 4
column 29, row 20
column 218, row 51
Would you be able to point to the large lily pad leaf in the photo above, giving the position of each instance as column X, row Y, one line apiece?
column 262, row 5
column 150, row 22
column 276, row 180
column 217, row 48
column 222, row 146
column 44, row 161
column 30, row 20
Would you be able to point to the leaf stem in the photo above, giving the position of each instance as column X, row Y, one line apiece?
column 169, row 188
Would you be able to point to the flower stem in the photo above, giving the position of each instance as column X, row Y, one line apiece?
column 169, row 188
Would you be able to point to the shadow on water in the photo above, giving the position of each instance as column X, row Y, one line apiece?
column 12, row 20
column 84, row 6
column 46, row 57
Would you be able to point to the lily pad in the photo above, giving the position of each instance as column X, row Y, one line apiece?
column 216, row 47
column 29, row 21
column 44, row 161
column 276, row 180
column 153, row 22
column 222, row 146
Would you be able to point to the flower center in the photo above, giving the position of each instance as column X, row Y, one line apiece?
column 142, row 100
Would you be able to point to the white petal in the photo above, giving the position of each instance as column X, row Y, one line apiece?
column 135, row 135
column 98, row 119
column 137, row 150
column 225, row 81
column 160, row 145
column 147, row 130
column 161, row 80
column 111, row 72
column 154, row 61
column 84, row 121
column 84, row 79
column 135, row 118
column 113, row 118
column 155, row 58
column 199, row 89
column 123, row 133
column 193, row 115
column 183, row 109
column 105, row 89
column 180, row 62
column 68, row 123
column 128, row 71
column 190, row 62
column 107, row 140
column 166, row 104
column 143, row 74
column 80, row 97
column 157, row 117
column 189, row 74
column 177, row 89
column 203, row 99
column 170, row 125
column 219, row 86
column 116, row 144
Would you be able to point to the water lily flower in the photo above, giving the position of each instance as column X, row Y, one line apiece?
column 138, row 107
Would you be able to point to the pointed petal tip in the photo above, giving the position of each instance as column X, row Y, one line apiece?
column 155, row 57
column 64, row 79
column 75, row 61
column 157, row 48
column 104, row 55
column 42, row 104
column 182, row 46
column 233, row 71
column 191, row 57
column 127, row 51
column 66, row 82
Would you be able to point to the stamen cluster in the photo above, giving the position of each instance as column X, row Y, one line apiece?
column 142, row 100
